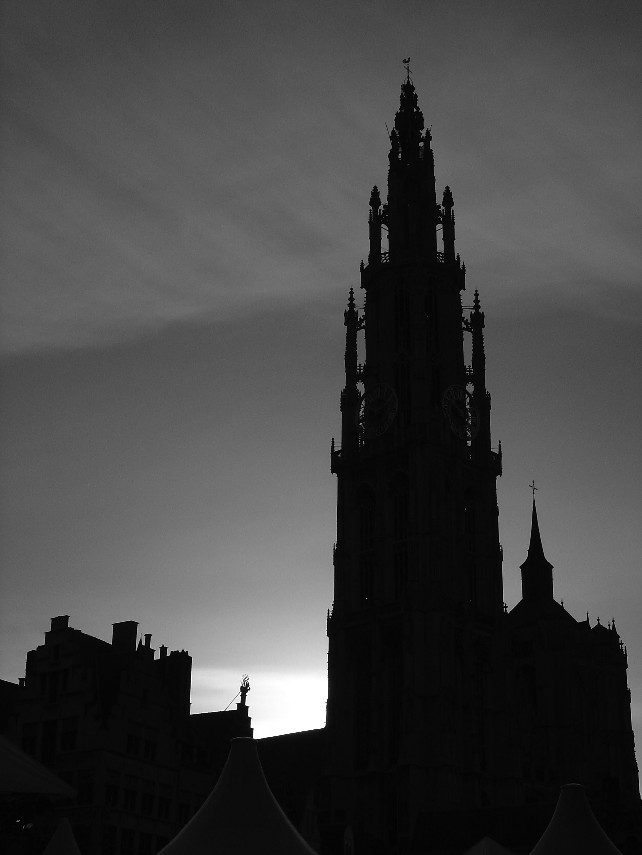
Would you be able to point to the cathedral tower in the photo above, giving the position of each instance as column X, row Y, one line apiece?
column 417, row 560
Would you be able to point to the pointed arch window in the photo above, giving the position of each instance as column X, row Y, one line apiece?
column 366, row 578
column 366, row 518
column 400, row 507
column 469, row 520
column 402, row 316
column 400, row 561
column 402, row 385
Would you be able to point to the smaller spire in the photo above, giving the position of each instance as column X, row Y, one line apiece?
column 537, row 572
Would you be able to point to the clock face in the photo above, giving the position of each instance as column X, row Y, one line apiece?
column 377, row 410
column 461, row 412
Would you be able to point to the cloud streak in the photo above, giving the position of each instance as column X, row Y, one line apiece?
column 159, row 167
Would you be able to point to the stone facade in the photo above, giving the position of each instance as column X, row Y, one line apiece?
column 113, row 720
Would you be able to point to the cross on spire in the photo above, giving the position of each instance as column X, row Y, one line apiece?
column 533, row 488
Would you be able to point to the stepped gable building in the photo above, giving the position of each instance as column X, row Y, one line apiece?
column 445, row 711
column 113, row 720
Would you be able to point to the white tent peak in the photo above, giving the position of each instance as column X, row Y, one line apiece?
column 574, row 828
column 63, row 841
column 241, row 815
column 488, row 846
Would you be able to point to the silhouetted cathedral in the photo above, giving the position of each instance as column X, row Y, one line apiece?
column 440, row 703
column 449, row 719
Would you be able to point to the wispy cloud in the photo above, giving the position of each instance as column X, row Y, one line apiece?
column 162, row 164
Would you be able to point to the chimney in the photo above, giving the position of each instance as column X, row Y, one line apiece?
column 60, row 622
column 163, row 651
column 148, row 640
column 123, row 638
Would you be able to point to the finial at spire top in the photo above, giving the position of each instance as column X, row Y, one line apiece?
column 532, row 484
column 406, row 63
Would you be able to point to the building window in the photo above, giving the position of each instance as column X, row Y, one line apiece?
column 133, row 739
column 469, row 521
column 109, row 839
column 85, row 787
column 149, row 750
column 112, row 788
column 365, row 579
column 30, row 737
column 69, row 734
column 54, row 684
column 145, row 844
column 147, row 803
column 130, row 793
column 366, row 519
column 362, row 709
column 402, row 317
column 400, row 512
column 402, row 383
column 163, row 807
column 49, row 741
column 400, row 569
column 126, row 841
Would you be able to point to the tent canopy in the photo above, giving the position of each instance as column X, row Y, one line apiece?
column 488, row 846
column 240, row 816
column 63, row 841
column 20, row 773
column 574, row 828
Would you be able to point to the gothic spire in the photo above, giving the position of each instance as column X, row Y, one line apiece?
column 411, row 210
column 409, row 123
column 537, row 572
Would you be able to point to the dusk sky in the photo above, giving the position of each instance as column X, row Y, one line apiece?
column 184, row 207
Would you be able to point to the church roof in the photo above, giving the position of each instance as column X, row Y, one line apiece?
column 529, row 611
column 240, row 816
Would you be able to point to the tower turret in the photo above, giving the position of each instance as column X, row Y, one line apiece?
column 448, row 225
column 374, row 223
column 481, row 397
column 350, row 393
